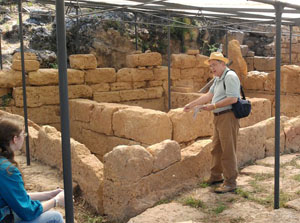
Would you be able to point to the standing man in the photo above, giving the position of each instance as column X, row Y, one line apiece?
column 222, row 94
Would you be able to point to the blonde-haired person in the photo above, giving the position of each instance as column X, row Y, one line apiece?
column 224, row 92
column 16, row 205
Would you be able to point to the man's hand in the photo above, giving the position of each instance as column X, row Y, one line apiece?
column 187, row 108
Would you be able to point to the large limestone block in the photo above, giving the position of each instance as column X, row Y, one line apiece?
column 81, row 109
column 250, row 144
column 250, row 63
column 264, row 63
column 127, row 164
column 155, row 83
column 83, row 61
column 255, row 80
column 100, row 75
column 191, row 73
column 124, row 200
column 289, row 106
column 10, row 78
column 179, row 99
column 154, row 92
column 134, row 74
column 183, row 61
column 239, row 65
column 27, row 56
column 86, row 168
column 4, row 91
column 30, row 65
column 100, row 144
column 100, row 87
column 144, row 59
column 164, row 153
column 200, row 60
column 113, row 96
column 102, row 115
column 48, row 95
column 292, row 134
column 155, row 104
column 139, row 84
column 142, row 125
column 261, row 109
column 44, row 115
column 51, row 77
column 186, row 128
column 136, row 94
column 118, row 86
column 161, row 73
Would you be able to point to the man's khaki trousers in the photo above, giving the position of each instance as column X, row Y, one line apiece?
column 224, row 161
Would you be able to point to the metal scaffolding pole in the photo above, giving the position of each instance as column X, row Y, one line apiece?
column 64, row 108
column 279, row 8
column 226, row 43
column 169, row 63
column 23, row 81
column 135, row 31
column 291, row 35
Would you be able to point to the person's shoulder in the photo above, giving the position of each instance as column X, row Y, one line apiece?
column 7, row 167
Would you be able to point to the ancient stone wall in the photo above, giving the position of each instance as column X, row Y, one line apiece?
column 102, row 126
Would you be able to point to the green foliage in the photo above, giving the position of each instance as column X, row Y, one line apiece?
column 97, row 219
column 53, row 65
column 203, row 185
column 178, row 33
column 219, row 209
column 192, row 202
column 5, row 100
column 163, row 201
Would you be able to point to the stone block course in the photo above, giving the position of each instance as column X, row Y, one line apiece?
column 183, row 61
column 83, row 61
column 30, row 65
column 144, row 59
column 10, row 78
column 264, row 63
column 27, row 56
column 100, row 75
column 161, row 73
column 113, row 96
column 51, row 77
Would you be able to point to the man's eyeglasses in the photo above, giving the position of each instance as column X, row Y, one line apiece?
column 25, row 134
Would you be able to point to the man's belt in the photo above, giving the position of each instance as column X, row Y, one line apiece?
column 222, row 112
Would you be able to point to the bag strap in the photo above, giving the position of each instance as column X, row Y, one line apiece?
column 241, row 87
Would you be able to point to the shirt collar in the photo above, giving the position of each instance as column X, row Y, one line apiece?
column 223, row 74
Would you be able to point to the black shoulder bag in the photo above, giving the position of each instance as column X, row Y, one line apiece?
column 242, row 107
column 9, row 218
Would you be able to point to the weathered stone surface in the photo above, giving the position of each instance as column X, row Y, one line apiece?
column 169, row 213
column 264, row 63
column 164, row 153
column 144, row 59
column 127, row 164
column 155, row 104
column 10, row 78
column 139, row 84
column 250, row 63
column 260, row 110
column 255, row 80
column 200, row 60
column 4, row 91
column 142, row 125
column 43, row 115
column 100, row 144
column 292, row 134
column 183, row 61
column 155, row 83
column 107, row 96
column 136, row 94
column 134, row 74
column 27, row 56
column 192, row 52
column 161, row 73
column 181, row 99
column 81, row 109
column 86, row 168
column 244, row 50
column 239, row 64
column 250, row 143
column 154, row 92
column 100, row 87
column 100, row 75
column 186, row 128
column 48, row 95
column 83, row 61
column 295, row 204
column 191, row 73
column 30, row 65
column 290, row 105
column 270, row 161
column 182, row 89
column 118, row 86
column 256, row 169
column 50, row 77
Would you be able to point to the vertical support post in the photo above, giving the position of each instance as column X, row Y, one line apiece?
column 169, row 63
column 291, row 35
column 226, row 43
column 77, row 28
column 279, row 8
column 1, row 62
column 23, row 81
column 64, row 108
column 135, row 31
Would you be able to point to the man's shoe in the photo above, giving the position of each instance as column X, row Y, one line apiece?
column 224, row 189
column 211, row 182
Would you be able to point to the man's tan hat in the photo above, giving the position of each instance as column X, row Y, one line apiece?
column 216, row 56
